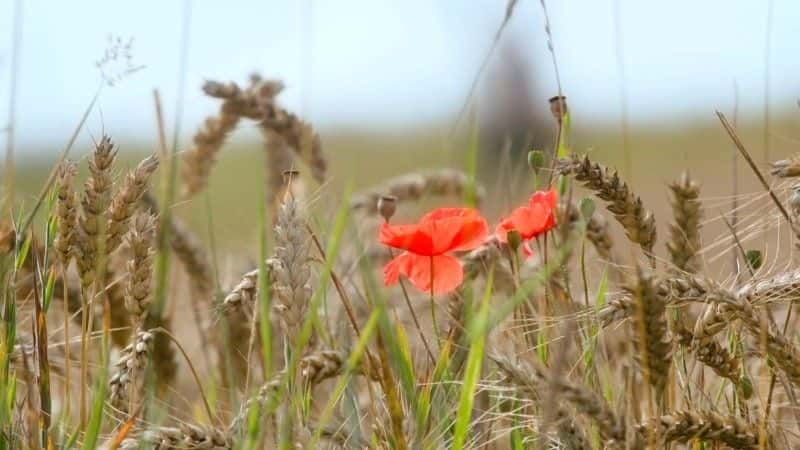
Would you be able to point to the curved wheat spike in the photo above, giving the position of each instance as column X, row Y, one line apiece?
column 685, row 426
column 415, row 186
column 638, row 222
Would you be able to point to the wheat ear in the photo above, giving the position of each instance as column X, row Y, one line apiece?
column 127, row 381
column 67, row 213
column 655, row 351
column 313, row 369
column 292, row 271
column 683, row 426
column 140, row 268
column 185, row 436
column 94, row 206
column 684, row 234
column 123, row 205
column 298, row 134
column 416, row 185
column 787, row 168
column 638, row 222
column 208, row 140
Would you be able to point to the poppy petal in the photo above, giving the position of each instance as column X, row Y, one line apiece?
column 546, row 198
column 398, row 265
column 407, row 237
column 527, row 250
column 443, row 272
column 454, row 229
column 531, row 221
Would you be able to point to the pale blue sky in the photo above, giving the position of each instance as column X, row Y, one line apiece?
column 354, row 63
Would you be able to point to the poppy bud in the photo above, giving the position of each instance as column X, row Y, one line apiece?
column 514, row 239
column 289, row 176
column 536, row 160
column 558, row 107
column 387, row 205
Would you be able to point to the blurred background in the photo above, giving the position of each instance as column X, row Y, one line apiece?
column 384, row 81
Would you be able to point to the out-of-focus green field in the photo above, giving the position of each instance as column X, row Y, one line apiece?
column 658, row 157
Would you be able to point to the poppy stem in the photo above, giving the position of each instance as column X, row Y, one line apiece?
column 433, row 309
column 414, row 317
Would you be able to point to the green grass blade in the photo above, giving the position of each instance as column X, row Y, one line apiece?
column 352, row 363
column 477, row 340
column 264, row 300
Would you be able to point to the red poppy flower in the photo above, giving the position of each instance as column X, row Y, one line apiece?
column 532, row 220
column 424, row 261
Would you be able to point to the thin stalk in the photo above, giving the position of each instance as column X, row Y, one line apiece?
column 433, row 308
column 68, row 363
column 484, row 64
column 732, row 133
column 16, row 44
column 165, row 332
column 414, row 317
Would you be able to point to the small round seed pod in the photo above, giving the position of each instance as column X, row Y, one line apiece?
column 536, row 160
column 289, row 176
column 387, row 205
column 558, row 107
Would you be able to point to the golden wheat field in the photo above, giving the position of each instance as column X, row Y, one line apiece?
column 425, row 290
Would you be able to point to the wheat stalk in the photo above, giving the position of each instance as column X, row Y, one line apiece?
column 190, row 252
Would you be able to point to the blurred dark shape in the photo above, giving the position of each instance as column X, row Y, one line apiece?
column 514, row 114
